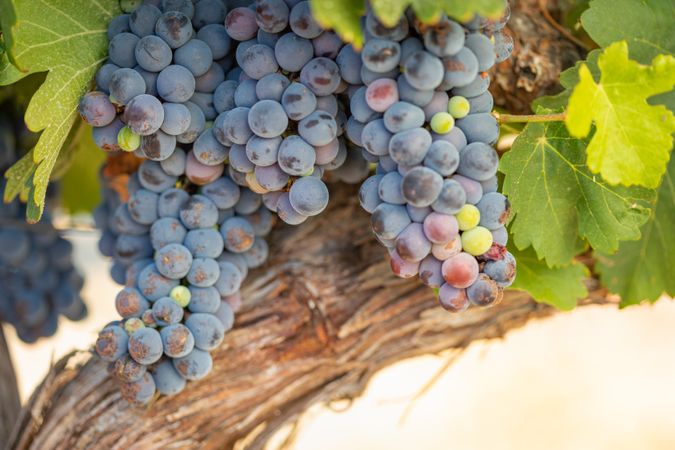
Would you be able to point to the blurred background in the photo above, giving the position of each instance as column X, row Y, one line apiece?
column 595, row 378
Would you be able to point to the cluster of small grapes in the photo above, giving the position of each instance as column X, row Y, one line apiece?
column 285, row 127
column 186, row 247
column 424, row 114
column 37, row 278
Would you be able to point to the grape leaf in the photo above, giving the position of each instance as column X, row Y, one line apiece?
column 344, row 17
column 559, row 206
column 68, row 40
column 79, row 185
column 633, row 139
column 646, row 25
column 645, row 269
column 560, row 286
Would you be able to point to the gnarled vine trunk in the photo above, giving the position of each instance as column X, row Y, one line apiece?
column 9, row 393
column 321, row 317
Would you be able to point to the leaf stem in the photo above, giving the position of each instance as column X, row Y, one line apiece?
column 511, row 118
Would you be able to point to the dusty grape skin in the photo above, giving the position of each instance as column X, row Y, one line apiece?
column 195, row 366
column 451, row 198
column 440, row 228
column 369, row 197
column 96, row 109
column 208, row 151
column 177, row 340
column 430, row 272
column 111, row 343
column 145, row 346
column 140, row 391
column 472, row 188
column 453, row 299
column 402, row 116
column 411, row 244
column 502, row 271
column 389, row 189
column 479, row 162
column 402, row 268
column 167, row 380
column 421, row 186
column 484, row 291
column 389, row 220
column 460, row 271
column 409, row 147
column 207, row 330
column 494, row 210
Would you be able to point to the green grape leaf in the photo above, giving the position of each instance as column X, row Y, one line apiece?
column 645, row 269
column 559, row 206
column 19, row 178
column 79, row 185
column 68, row 40
column 561, row 287
column 343, row 17
column 633, row 139
column 646, row 25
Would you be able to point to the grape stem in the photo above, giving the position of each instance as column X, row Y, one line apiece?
column 511, row 118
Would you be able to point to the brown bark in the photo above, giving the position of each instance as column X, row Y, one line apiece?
column 321, row 317
column 10, row 404
column 540, row 53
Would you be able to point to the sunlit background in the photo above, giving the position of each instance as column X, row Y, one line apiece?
column 596, row 378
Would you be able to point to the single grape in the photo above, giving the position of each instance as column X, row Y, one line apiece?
column 412, row 244
column 175, row 28
column 453, row 299
column 204, row 300
column 389, row 220
column 481, row 46
column 423, row 70
column 229, row 280
column 241, row 24
column 460, row 69
column 197, row 124
column 176, row 118
column 402, row 116
column 479, row 85
column 444, row 38
column 349, row 63
column 409, row 147
column 223, row 97
column 204, row 272
column 460, row 271
column 430, row 272
column 96, row 109
column 145, row 346
column 196, row 365
column 477, row 240
column 128, row 140
column 152, row 53
column 442, row 122
column 440, row 228
column 484, row 292
column 125, row 84
column 482, row 103
column 478, row 161
column 448, row 250
column 121, row 50
column 321, row 76
column 458, row 106
column 286, row 212
column 238, row 234
column 143, row 19
column 199, row 212
column 216, row 37
column 421, row 186
column 181, row 295
column 208, row 12
column 207, row 330
column 451, row 198
column 481, row 127
column 112, row 343
column 267, row 119
column 167, row 380
column 158, row 146
column 302, row 21
column 140, row 391
column 442, row 157
column 175, row 84
column 271, row 87
column 209, row 81
column 403, row 268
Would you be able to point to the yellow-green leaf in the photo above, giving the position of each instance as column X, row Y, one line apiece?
column 343, row 17
column 633, row 139
column 67, row 39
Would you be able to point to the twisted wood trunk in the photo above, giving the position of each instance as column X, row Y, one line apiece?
column 321, row 317
column 9, row 393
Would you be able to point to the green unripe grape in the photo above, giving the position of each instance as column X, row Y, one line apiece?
column 181, row 295
column 128, row 140
column 459, row 107
column 442, row 123
column 476, row 241
column 129, row 6
column 468, row 217
column 133, row 324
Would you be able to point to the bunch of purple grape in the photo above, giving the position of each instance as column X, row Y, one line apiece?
column 186, row 249
column 425, row 116
column 242, row 109
column 38, row 281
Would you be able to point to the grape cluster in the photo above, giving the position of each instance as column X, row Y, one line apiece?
column 184, row 248
column 241, row 110
column 425, row 113
column 37, row 278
